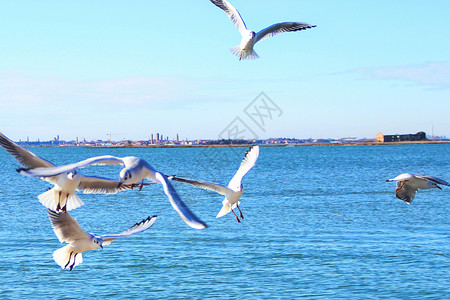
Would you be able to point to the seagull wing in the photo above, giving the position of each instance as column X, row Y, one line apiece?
column 232, row 13
column 247, row 163
column 25, row 158
column 402, row 177
column 406, row 193
column 434, row 179
column 210, row 186
column 97, row 160
column 185, row 213
column 281, row 27
column 136, row 228
column 66, row 227
column 99, row 185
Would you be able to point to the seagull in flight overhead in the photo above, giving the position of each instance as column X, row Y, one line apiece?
column 67, row 230
column 134, row 170
column 408, row 183
column 234, row 190
column 62, row 196
column 250, row 38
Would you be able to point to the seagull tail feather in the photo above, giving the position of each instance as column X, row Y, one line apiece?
column 51, row 198
column 226, row 208
column 242, row 54
column 65, row 257
column 74, row 202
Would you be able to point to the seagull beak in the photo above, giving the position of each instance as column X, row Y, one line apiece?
column 439, row 187
column 101, row 246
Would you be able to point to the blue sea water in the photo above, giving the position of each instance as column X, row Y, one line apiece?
column 320, row 223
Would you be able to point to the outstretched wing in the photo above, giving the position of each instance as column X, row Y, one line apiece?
column 53, row 171
column 210, row 186
column 281, row 27
column 247, row 163
column 185, row 213
column 66, row 227
column 25, row 158
column 232, row 13
column 406, row 193
column 402, row 177
column 136, row 228
column 99, row 185
column 432, row 178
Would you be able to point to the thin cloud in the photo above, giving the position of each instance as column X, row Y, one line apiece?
column 23, row 90
column 432, row 74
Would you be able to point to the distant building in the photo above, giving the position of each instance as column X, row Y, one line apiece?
column 381, row 138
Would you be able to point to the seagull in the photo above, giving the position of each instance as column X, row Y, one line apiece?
column 408, row 183
column 134, row 170
column 250, row 38
column 68, row 230
column 234, row 190
column 62, row 196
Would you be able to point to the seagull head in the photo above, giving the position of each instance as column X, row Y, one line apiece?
column 98, row 241
column 125, row 176
column 252, row 34
column 434, row 185
column 72, row 174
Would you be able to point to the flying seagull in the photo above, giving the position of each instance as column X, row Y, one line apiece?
column 408, row 183
column 67, row 230
column 134, row 170
column 62, row 196
column 234, row 190
column 250, row 38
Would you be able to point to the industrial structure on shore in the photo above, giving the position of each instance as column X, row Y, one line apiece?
column 381, row 138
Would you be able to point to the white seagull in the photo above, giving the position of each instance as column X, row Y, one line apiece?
column 408, row 183
column 62, row 196
column 134, row 170
column 250, row 38
column 234, row 190
column 67, row 230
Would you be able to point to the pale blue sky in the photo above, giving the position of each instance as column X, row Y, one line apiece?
column 131, row 68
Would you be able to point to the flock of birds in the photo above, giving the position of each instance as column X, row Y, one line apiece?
column 67, row 179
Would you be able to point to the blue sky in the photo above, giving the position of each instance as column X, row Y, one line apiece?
column 131, row 68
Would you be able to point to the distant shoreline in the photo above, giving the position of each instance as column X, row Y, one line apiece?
column 265, row 145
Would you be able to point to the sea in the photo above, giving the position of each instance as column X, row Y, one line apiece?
column 320, row 222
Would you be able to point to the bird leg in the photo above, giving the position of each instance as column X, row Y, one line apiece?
column 239, row 221
column 71, row 267
column 58, row 207
column 400, row 186
column 64, row 209
column 141, row 185
column 242, row 216
column 70, row 256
